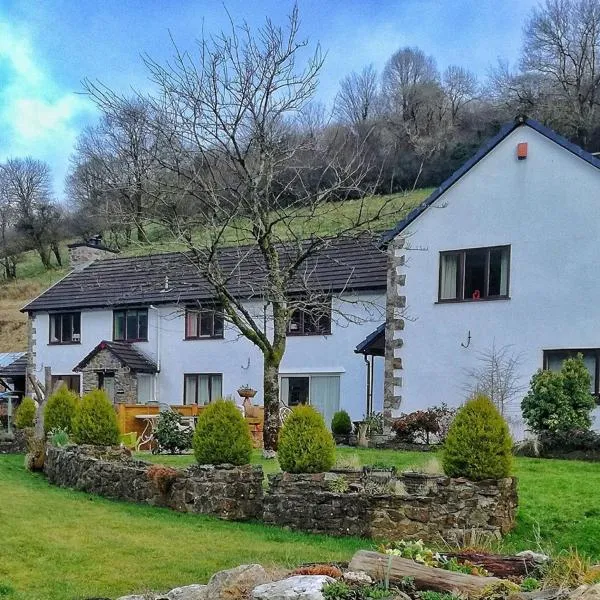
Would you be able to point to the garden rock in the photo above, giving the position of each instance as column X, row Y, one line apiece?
column 138, row 597
column 586, row 592
column 537, row 557
column 300, row 587
column 188, row 592
column 242, row 578
column 358, row 577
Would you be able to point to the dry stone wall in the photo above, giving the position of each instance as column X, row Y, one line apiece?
column 368, row 503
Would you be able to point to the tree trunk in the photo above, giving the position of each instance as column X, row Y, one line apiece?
column 271, row 404
column 44, row 253
column 56, row 251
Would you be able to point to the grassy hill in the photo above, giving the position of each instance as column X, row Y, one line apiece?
column 33, row 279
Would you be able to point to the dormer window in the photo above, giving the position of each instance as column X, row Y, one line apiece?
column 474, row 274
column 65, row 328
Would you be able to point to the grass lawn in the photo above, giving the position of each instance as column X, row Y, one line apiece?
column 559, row 499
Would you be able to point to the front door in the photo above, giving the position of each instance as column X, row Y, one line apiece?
column 106, row 382
column 320, row 391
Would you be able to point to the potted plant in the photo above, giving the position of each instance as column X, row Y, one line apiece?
column 245, row 391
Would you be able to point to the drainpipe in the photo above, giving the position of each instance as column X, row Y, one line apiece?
column 156, row 384
column 369, row 389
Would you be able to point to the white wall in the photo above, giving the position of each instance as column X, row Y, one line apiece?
column 547, row 208
column 235, row 357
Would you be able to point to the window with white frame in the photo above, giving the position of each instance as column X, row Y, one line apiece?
column 319, row 390
column 145, row 388
column 202, row 388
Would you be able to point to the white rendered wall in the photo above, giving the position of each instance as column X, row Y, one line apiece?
column 239, row 361
column 547, row 208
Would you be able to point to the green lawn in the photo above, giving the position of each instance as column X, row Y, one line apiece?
column 559, row 499
column 64, row 545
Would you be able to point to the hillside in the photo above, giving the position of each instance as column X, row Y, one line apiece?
column 33, row 280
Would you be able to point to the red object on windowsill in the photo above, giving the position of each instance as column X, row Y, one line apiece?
column 476, row 295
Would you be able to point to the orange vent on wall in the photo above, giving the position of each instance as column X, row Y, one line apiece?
column 522, row 150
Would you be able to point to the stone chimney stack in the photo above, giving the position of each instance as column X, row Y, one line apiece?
column 82, row 254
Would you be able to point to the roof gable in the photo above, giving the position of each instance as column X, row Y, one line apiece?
column 126, row 353
column 504, row 132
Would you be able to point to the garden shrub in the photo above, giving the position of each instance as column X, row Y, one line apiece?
column 95, row 420
column 222, row 435
column 58, row 437
column 478, row 445
column 424, row 426
column 25, row 413
column 60, row 410
column 341, row 423
column 559, row 401
column 305, row 444
column 171, row 434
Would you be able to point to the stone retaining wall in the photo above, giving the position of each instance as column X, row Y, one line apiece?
column 368, row 503
column 227, row 492
column 432, row 508
column 17, row 444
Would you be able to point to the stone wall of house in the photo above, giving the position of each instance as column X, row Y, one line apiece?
column 125, row 379
column 227, row 492
column 409, row 506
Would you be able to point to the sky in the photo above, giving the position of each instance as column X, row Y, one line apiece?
column 48, row 46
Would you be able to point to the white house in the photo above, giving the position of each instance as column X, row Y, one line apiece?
column 505, row 253
column 147, row 329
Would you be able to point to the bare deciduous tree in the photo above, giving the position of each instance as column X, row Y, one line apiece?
column 497, row 376
column 460, row 88
column 236, row 144
column 358, row 99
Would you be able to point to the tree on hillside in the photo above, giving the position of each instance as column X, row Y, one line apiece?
column 238, row 147
column 358, row 100
column 460, row 87
column 27, row 190
column 562, row 43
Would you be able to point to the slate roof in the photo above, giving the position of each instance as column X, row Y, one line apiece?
column 374, row 343
column 13, row 364
column 481, row 153
column 346, row 264
column 127, row 353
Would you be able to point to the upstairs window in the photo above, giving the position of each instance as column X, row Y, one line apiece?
column 130, row 325
column 65, row 328
column 203, row 323
column 311, row 319
column 474, row 274
column 553, row 360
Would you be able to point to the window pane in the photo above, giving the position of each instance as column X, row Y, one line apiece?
column 77, row 323
column 498, row 281
column 298, row 390
column 144, row 391
column 54, row 328
column 206, row 323
column 589, row 360
column 295, row 325
column 66, row 328
column 475, row 262
column 325, row 395
column 142, row 330
column 191, row 324
column 216, row 387
column 554, row 362
column 189, row 383
column 203, row 389
column 119, row 327
column 218, row 325
column 449, row 276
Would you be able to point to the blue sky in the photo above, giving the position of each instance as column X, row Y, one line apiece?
column 48, row 46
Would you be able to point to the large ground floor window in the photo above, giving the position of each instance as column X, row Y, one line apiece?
column 320, row 391
column 202, row 388
column 553, row 360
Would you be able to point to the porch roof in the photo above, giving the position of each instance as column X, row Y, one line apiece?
column 374, row 343
column 125, row 352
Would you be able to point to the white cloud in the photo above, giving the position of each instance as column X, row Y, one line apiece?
column 37, row 118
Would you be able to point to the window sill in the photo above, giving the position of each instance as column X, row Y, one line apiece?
column 473, row 300
column 319, row 334
column 132, row 341
column 64, row 343
column 203, row 338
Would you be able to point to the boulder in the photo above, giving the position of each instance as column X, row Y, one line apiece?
column 138, row 597
column 241, row 579
column 299, row 587
column 586, row 592
column 358, row 577
column 188, row 592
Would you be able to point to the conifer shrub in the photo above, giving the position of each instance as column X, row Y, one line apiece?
column 60, row 410
column 95, row 421
column 478, row 445
column 341, row 424
column 305, row 445
column 222, row 435
column 25, row 413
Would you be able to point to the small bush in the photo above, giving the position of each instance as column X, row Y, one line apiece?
column 424, row 426
column 341, row 423
column 478, row 445
column 171, row 434
column 222, row 435
column 559, row 401
column 58, row 437
column 305, row 445
column 60, row 410
column 95, row 421
column 25, row 413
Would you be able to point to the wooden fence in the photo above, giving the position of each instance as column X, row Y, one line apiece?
column 129, row 418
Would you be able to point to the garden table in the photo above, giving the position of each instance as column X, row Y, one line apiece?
column 148, row 431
